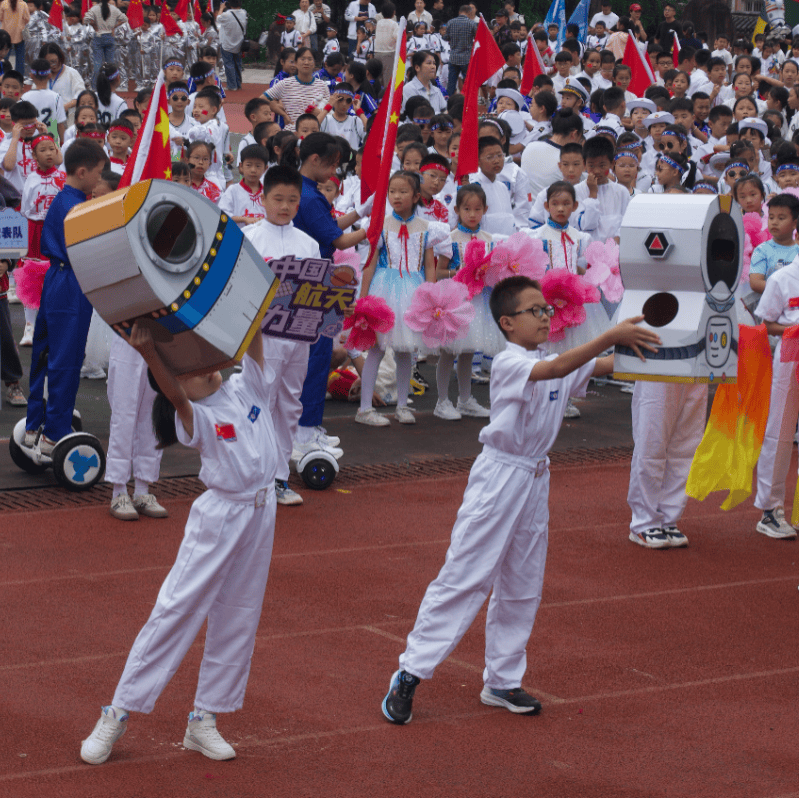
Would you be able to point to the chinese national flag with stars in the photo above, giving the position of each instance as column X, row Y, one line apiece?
column 135, row 14
column 151, row 156
column 379, row 150
column 485, row 61
column 57, row 15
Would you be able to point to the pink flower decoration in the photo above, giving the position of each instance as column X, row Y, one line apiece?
column 755, row 233
column 519, row 255
column 567, row 293
column 372, row 315
column 603, row 269
column 441, row 312
column 475, row 263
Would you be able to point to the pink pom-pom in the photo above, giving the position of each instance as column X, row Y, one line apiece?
column 473, row 271
column 29, row 277
column 371, row 316
column 603, row 269
column 441, row 312
column 567, row 293
column 518, row 255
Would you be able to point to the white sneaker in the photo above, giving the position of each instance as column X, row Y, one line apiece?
column 321, row 435
column 572, row 411
column 315, row 445
column 122, row 508
column 372, row 418
column 446, row 410
column 286, row 495
column 111, row 726
column 404, row 415
column 148, row 505
column 12, row 295
column 91, row 371
column 27, row 336
column 203, row 736
column 774, row 525
column 473, row 408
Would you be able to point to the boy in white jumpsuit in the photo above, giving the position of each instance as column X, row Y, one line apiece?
column 274, row 237
column 499, row 541
column 779, row 308
column 223, row 562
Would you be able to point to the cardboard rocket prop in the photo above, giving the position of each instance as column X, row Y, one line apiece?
column 162, row 252
column 681, row 259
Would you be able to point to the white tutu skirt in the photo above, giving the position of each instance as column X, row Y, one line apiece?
column 98, row 343
column 484, row 334
column 596, row 323
column 397, row 290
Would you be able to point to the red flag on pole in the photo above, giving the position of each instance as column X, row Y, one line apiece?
column 533, row 67
column 151, row 156
column 135, row 14
column 675, row 51
column 641, row 79
column 377, row 155
column 210, row 8
column 485, row 61
column 56, row 17
column 182, row 10
column 170, row 26
column 198, row 14
column 84, row 8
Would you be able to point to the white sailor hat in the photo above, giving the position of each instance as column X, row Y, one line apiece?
column 514, row 119
column 513, row 95
column 642, row 102
column 755, row 123
column 657, row 117
column 573, row 86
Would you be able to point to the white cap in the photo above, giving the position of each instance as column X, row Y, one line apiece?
column 513, row 95
column 642, row 102
column 657, row 117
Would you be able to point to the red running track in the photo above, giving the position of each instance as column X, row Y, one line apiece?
column 667, row 673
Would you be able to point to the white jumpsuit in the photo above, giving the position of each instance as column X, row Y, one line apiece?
column 668, row 423
column 223, row 562
column 779, row 303
column 499, row 541
column 288, row 359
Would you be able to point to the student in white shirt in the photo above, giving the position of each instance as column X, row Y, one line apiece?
column 206, row 107
column 242, row 201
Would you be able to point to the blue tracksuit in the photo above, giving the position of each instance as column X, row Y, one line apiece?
column 62, row 327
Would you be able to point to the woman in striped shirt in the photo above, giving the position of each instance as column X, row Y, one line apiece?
column 291, row 97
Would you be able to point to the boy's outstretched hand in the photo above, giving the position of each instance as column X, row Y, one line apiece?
column 140, row 338
column 629, row 334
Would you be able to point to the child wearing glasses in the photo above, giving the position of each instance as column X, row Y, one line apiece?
column 499, row 540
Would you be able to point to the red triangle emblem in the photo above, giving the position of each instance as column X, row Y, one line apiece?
column 656, row 244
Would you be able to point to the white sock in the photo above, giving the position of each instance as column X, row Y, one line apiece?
column 141, row 487
column 30, row 316
column 369, row 376
column 404, row 369
column 304, row 434
column 446, row 360
column 120, row 488
column 464, row 377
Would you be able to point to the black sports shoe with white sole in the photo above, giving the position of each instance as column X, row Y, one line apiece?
column 517, row 700
column 398, row 704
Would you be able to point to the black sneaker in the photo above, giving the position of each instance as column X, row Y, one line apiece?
column 517, row 700
column 398, row 704
column 417, row 376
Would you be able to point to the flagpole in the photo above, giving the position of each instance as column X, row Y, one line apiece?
column 392, row 88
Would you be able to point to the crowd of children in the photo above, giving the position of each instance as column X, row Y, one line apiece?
column 559, row 165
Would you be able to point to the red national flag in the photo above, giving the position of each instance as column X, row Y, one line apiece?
column 151, row 156
column 56, row 17
column 533, row 67
column 84, row 8
column 377, row 155
column 210, row 7
column 225, row 432
column 135, row 14
column 675, row 51
column 485, row 61
column 198, row 14
column 182, row 10
column 641, row 79
column 170, row 26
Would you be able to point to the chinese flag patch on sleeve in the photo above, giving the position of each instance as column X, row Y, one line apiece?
column 225, row 432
